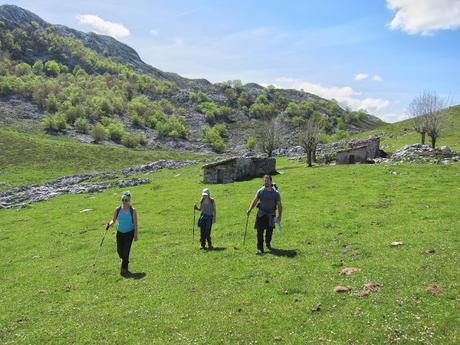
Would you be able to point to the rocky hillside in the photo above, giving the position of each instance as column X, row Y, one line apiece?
column 98, row 89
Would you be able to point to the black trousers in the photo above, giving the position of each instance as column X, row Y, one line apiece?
column 264, row 223
column 124, row 241
column 205, row 227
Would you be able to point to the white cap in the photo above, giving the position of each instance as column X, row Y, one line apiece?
column 205, row 191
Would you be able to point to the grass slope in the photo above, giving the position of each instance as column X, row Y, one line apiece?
column 398, row 134
column 28, row 157
column 334, row 217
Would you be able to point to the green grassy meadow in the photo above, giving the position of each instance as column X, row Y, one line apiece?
column 29, row 157
column 334, row 217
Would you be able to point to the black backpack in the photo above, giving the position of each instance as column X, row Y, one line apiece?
column 131, row 211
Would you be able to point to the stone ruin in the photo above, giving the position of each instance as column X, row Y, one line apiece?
column 238, row 169
column 360, row 151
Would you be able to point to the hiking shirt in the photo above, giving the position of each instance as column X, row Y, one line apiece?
column 125, row 221
column 207, row 207
column 268, row 200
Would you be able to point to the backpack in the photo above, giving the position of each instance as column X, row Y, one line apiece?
column 131, row 211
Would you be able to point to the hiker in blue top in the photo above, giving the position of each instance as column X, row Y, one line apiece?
column 270, row 201
column 126, row 230
column 207, row 217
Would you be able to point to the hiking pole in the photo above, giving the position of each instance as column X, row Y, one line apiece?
column 246, row 229
column 100, row 246
column 193, row 226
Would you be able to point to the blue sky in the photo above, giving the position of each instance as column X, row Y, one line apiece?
column 374, row 54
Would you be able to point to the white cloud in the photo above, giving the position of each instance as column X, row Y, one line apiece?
column 377, row 78
column 104, row 27
column 361, row 76
column 154, row 32
column 424, row 16
column 345, row 95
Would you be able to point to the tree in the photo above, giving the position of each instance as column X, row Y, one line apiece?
column 309, row 138
column 268, row 138
column 426, row 112
column 417, row 113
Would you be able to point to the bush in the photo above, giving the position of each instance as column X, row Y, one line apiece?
column 213, row 137
column 23, row 69
column 298, row 121
column 81, row 125
column 174, row 127
column 99, row 133
column 142, row 139
column 130, row 140
column 137, row 121
column 116, row 131
column 251, row 143
column 56, row 122
column 73, row 113
column 52, row 68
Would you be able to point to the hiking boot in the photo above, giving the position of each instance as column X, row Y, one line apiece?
column 260, row 252
column 210, row 247
column 124, row 272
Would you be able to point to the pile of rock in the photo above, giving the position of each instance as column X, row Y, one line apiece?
column 81, row 183
column 425, row 153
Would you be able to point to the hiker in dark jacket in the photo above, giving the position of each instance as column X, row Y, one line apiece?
column 270, row 201
column 207, row 217
column 127, row 230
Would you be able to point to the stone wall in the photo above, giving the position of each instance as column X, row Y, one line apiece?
column 241, row 168
column 353, row 155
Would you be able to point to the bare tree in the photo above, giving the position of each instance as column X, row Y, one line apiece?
column 268, row 137
column 309, row 137
column 426, row 112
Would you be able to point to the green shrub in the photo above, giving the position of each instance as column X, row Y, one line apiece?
column 23, row 69
column 298, row 121
column 55, row 122
column 137, row 121
column 130, row 140
column 81, row 125
column 99, row 133
column 116, row 131
column 251, row 143
column 174, row 127
column 52, row 68
column 213, row 137
column 142, row 139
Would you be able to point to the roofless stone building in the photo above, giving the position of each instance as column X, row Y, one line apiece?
column 238, row 169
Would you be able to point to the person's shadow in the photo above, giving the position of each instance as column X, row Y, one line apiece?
column 135, row 275
column 216, row 249
column 289, row 253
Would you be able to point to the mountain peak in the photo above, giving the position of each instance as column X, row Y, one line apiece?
column 19, row 16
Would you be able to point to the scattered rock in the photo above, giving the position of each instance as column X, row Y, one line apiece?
column 434, row 289
column 373, row 286
column 316, row 308
column 349, row 270
column 368, row 288
column 396, row 243
column 423, row 153
column 278, row 338
column 340, row 288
